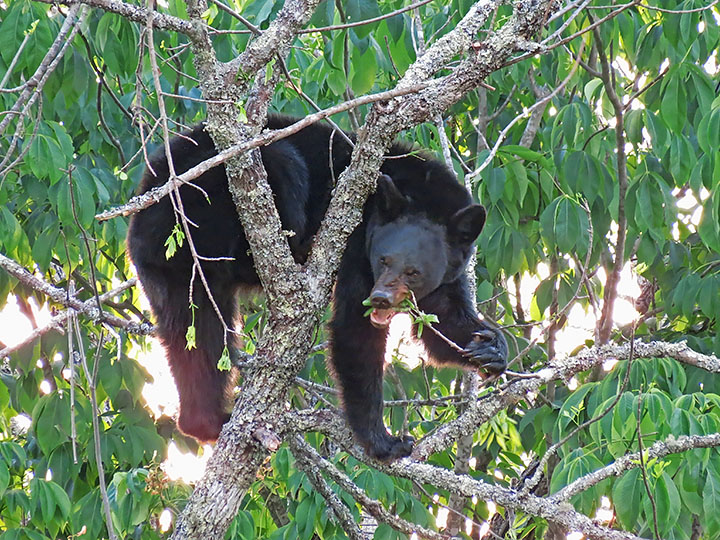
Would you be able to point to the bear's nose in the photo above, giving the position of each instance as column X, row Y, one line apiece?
column 381, row 299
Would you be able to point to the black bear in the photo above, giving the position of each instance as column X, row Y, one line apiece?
column 416, row 236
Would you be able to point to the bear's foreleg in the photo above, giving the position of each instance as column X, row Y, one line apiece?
column 358, row 357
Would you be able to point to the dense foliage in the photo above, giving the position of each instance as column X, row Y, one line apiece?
column 565, row 190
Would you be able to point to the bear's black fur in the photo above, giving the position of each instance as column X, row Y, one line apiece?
column 416, row 235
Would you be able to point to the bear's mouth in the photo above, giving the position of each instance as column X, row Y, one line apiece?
column 380, row 318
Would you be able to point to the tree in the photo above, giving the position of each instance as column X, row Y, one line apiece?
column 589, row 131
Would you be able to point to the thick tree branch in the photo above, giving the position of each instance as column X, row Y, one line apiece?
column 88, row 307
column 135, row 13
column 560, row 370
column 240, row 450
column 60, row 296
column 462, row 485
column 660, row 449
column 610, row 292
column 308, row 454
column 551, row 510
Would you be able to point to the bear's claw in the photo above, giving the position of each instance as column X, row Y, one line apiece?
column 386, row 447
column 488, row 350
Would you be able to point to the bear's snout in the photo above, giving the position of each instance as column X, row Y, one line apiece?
column 381, row 299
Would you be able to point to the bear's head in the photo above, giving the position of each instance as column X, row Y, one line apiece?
column 409, row 252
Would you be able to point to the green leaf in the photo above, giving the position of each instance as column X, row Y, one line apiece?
column 324, row 14
column 524, row 153
column 658, row 132
column 628, row 493
column 51, row 421
column 667, row 500
column 544, row 294
column 269, row 70
column 573, row 409
column 709, row 299
column 634, row 125
column 386, row 532
column 305, row 518
column 708, row 133
column 43, row 498
column 584, row 175
column 360, row 10
column 591, row 88
column 682, row 159
column 12, row 236
column 62, row 501
column 709, row 227
column 673, row 108
column 493, row 182
column 42, row 249
column 711, row 500
column 4, row 477
column 547, row 222
column 245, row 525
column 63, row 140
column 365, row 71
column 570, row 229
column 517, row 182
column 492, row 246
column 46, row 159
column 87, row 512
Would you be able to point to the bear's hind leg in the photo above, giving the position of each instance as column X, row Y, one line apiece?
column 203, row 389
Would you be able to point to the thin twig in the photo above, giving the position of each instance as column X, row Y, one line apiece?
column 92, row 391
column 365, row 21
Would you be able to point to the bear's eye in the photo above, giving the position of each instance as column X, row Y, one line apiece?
column 383, row 261
column 411, row 272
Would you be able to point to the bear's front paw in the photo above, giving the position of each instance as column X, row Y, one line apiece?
column 487, row 350
column 388, row 448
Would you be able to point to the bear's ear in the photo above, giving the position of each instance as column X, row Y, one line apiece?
column 390, row 202
column 465, row 225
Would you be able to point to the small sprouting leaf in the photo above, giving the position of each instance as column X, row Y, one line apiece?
column 174, row 241
column 224, row 363
column 242, row 114
column 190, row 342
column 369, row 309
column 170, row 247
column 190, row 336
column 269, row 70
